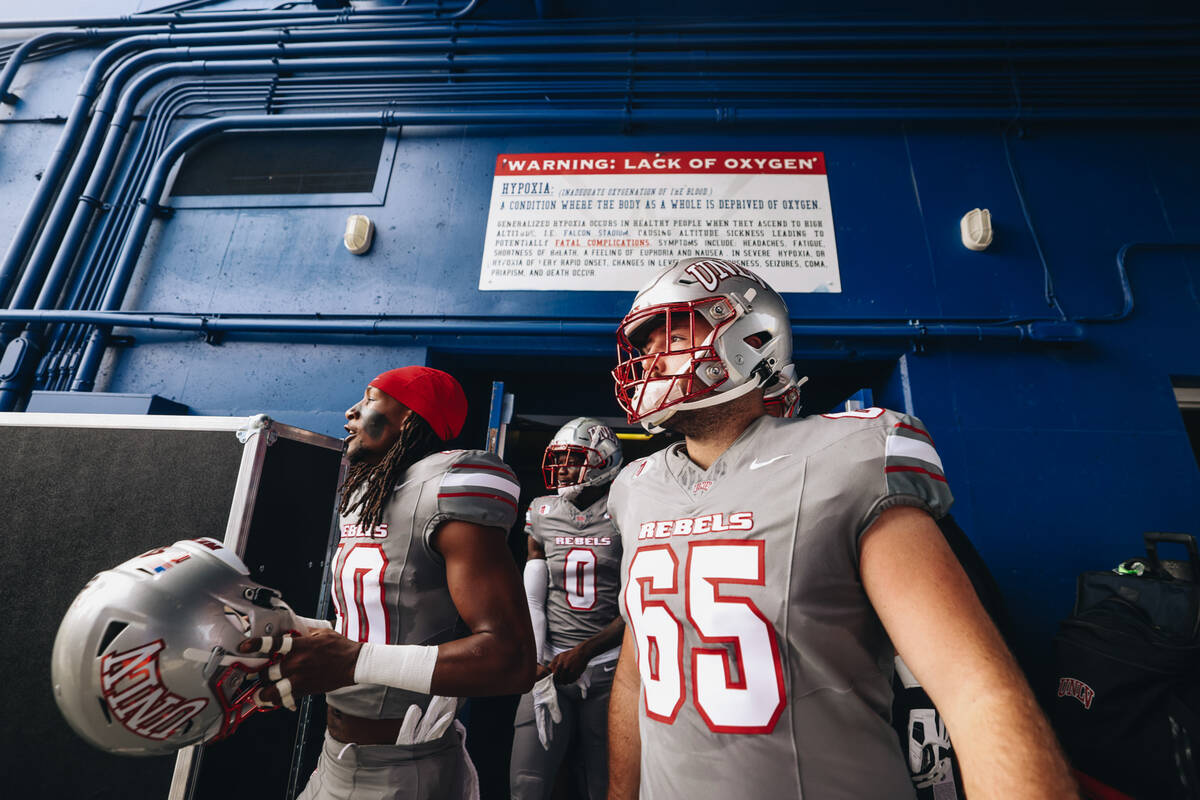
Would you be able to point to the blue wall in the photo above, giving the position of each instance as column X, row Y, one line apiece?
column 1060, row 455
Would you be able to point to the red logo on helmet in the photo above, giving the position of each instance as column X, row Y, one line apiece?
column 134, row 693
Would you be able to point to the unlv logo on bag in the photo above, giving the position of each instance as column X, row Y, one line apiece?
column 1070, row 687
column 135, row 694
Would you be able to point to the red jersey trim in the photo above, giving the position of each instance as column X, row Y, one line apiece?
column 933, row 475
column 915, row 429
column 502, row 498
column 507, row 472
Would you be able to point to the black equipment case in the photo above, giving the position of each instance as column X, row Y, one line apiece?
column 80, row 493
column 1128, row 668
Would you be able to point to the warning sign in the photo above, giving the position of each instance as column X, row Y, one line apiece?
column 610, row 221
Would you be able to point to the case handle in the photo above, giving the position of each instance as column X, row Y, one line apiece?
column 1154, row 538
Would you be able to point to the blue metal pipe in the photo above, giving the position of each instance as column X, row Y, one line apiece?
column 286, row 43
column 23, row 51
column 329, row 41
column 61, row 340
column 135, row 238
column 953, row 28
column 108, row 147
column 743, row 114
column 1123, row 274
column 180, row 18
column 452, row 326
column 12, row 262
column 66, row 340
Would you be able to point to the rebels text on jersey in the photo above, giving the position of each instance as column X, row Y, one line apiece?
column 389, row 584
column 756, row 643
column 583, row 554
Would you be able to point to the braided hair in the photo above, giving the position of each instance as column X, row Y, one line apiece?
column 416, row 440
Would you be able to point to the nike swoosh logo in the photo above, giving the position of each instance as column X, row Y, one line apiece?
column 756, row 464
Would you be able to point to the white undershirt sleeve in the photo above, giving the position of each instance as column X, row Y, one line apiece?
column 537, row 579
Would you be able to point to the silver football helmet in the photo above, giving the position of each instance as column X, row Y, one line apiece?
column 706, row 309
column 587, row 443
column 145, row 661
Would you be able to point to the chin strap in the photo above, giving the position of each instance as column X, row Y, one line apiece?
column 653, row 424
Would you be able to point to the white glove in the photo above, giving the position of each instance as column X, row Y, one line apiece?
column 583, row 682
column 545, row 709
column 419, row 728
column 928, row 749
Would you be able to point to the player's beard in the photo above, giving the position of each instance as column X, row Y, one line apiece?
column 698, row 423
column 711, row 421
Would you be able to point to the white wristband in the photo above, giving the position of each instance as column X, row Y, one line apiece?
column 402, row 666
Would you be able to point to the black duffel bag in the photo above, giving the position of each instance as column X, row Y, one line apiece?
column 1128, row 669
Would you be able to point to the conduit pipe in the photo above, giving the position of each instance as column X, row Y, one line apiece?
column 23, row 52
column 90, row 361
column 456, row 326
column 307, row 60
column 890, row 112
column 64, row 340
column 14, row 258
column 284, row 44
column 182, row 18
column 43, row 302
column 1123, row 274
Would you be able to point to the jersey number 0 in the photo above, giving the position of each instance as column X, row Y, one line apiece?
column 737, row 675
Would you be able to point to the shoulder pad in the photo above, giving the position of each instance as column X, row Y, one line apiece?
column 478, row 487
column 912, row 466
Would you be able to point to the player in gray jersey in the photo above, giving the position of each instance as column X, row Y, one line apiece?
column 772, row 568
column 572, row 578
column 428, row 599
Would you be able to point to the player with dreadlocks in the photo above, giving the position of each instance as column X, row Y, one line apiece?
column 430, row 607
column 368, row 485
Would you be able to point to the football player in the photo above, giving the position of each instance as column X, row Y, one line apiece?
column 423, row 553
column 771, row 565
column 571, row 582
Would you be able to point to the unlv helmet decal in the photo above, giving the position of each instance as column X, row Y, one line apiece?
column 134, row 692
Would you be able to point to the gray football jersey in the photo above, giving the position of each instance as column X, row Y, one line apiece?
column 389, row 584
column 765, row 671
column 583, row 553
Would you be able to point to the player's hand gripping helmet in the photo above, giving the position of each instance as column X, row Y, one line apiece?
column 145, row 661
column 709, row 310
column 587, row 442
